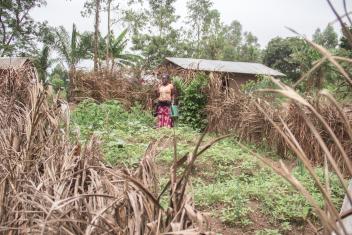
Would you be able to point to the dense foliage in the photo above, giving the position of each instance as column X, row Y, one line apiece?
column 155, row 33
column 58, row 78
column 18, row 31
column 192, row 101
column 278, row 55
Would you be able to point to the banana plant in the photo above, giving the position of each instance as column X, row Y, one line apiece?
column 117, row 51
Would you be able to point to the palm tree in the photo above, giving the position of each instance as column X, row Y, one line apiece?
column 71, row 49
column 42, row 62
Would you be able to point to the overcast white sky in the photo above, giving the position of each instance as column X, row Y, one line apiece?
column 264, row 18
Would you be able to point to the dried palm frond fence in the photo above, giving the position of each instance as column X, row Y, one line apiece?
column 332, row 221
column 324, row 126
column 243, row 114
column 101, row 87
column 49, row 185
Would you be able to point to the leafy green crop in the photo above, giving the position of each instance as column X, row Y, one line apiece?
column 123, row 133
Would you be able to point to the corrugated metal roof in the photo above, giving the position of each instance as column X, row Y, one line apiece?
column 224, row 66
column 12, row 62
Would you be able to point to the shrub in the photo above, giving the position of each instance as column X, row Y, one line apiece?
column 193, row 100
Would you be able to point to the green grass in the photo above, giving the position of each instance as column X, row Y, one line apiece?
column 226, row 180
column 238, row 179
column 124, row 135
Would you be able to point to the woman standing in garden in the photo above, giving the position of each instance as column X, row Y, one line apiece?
column 166, row 96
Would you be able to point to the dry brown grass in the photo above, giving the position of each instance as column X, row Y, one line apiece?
column 248, row 117
column 101, row 87
column 51, row 186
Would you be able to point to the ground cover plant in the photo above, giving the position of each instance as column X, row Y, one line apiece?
column 229, row 182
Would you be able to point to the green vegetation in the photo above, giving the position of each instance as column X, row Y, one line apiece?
column 228, row 180
column 193, row 100
column 58, row 78
column 19, row 33
column 239, row 180
column 125, row 135
column 154, row 31
column 262, row 82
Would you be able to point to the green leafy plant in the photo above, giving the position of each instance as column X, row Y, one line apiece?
column 260, row 83
column 193, row 101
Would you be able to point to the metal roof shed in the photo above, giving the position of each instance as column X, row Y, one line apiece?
column 224, row 66
column 234, row 74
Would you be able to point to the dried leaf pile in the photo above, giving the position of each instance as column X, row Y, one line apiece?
column 102, row 87
column 50, row 186
column 248, row 116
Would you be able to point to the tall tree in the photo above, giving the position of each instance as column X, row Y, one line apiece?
column 213, row 37
column 109, row 33
column 118, row 51
column 250, row 50
column 134, row 20
column 158, row 38
column 71, row 50
column 278, row 55
column 162, row 15
column 327, row 38
column 94, row 7
column 18, row 30
column 233, row 41
column 306, row 56
column 204, row 36
column 199, row 17
column 42, row 62
column 96, row 33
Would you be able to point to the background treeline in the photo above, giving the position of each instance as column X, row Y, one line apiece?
column 151, row 31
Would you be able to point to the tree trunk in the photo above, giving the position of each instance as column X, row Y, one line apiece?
column 198, row 41
column 108, row 37
column 112, row 66
column 96, row 35
column 70, row 86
